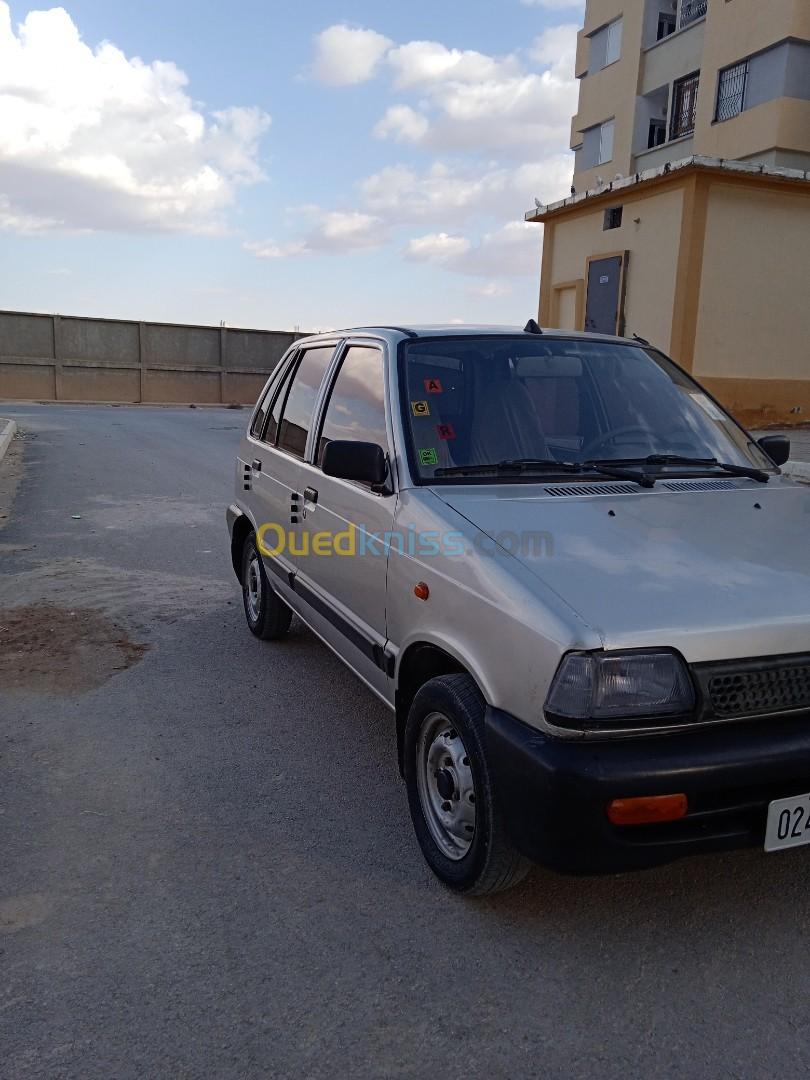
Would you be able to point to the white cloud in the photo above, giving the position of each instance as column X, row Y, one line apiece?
column 345, row 55
column 486, row 104
column 556, row 48
column 425, row 63
column 454, row 194
column 499, row 125
column 490, row 290
column 437, row 248
column 333, row 232
column 92, row 139
column 512, row 251
column 403, row 124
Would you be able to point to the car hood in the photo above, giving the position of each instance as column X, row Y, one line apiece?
column 717, row 573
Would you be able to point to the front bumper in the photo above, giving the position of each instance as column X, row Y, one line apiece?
column 555, row 793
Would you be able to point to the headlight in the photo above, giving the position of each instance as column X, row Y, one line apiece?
column 606, row 688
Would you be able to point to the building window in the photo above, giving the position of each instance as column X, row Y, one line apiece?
column 613, row 50
column 684, row 106
column 613, row 218
column 605, row 46
column 731, row 91
column 606, row 132
column 667, row 24
column 657, row 134
column 692, row 10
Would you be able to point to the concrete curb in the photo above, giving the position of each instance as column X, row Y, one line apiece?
column 8, row 429
column 797, row 470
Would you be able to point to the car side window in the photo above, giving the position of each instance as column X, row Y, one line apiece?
column 274, row 412
column 260, row 419
column 301, row 398
column 356, row 408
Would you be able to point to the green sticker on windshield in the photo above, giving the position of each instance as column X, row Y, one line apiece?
column 428, row 457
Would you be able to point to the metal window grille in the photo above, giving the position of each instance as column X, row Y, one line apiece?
column 691, row 10
column 684, row 106
column 731, row 91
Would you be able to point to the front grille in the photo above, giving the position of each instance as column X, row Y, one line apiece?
column 751, row 693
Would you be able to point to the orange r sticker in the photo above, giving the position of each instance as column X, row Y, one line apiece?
column 446, row 431
column 433, row 386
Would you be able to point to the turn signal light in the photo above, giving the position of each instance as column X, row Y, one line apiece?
column 421, row 591
column 647, row 810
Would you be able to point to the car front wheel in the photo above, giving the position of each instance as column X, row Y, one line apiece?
column 451, row 795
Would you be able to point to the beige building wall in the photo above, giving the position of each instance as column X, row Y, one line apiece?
column 631, row 90
column 650, row 276
column 718, row 277
column 603, row 93
column 752, row 345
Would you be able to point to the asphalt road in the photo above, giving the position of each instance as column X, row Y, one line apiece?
column 206, row 863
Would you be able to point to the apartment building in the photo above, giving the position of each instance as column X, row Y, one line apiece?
column 689, row 218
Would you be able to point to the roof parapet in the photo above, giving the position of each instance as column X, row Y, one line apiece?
column 695, row 161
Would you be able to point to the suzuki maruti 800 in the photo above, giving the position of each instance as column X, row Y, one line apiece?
column 580, row 586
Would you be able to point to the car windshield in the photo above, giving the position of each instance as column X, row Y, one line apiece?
column 482, row 401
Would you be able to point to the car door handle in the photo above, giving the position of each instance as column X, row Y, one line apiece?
column 256, row 465
column 310, row 495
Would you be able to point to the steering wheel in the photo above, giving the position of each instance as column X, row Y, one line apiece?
column 589, row 451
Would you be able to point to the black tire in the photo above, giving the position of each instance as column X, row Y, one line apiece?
column 268, row 617
column 491, row 864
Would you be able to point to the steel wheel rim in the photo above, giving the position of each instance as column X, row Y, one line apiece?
column 446, row 786
column 253, row 588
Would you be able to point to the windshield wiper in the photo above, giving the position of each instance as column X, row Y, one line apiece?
column 541, row 465
column 699, row 463
column 518, row 465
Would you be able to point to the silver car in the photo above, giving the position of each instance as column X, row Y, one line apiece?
column 580, row 586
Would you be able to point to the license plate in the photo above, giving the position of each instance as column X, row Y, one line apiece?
column 788, row 823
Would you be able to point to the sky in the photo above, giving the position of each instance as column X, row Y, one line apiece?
column 280, row 165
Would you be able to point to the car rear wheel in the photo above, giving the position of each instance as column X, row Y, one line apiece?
column 268, row 617
column 453, row 805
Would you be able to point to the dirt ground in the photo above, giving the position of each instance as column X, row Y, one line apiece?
column 53, row 650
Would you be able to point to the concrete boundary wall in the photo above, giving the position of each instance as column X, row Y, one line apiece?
column 70, row 358
column 8, row 429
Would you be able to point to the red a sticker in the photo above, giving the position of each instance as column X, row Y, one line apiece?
column 446, row 431
column 433, row 386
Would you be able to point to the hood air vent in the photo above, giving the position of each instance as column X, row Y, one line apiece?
column 698, row 485
column 563, row 490
column 592, row 489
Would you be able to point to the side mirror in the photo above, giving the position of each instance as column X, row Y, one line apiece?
column 777, row 447
column 362, row 462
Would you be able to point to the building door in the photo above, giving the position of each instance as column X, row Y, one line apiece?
column 604, row 312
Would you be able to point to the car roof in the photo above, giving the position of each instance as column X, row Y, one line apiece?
column 395, row 334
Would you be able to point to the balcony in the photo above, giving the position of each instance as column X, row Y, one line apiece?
column 691, row 11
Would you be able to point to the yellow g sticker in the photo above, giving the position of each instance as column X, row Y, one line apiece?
column 420, row 408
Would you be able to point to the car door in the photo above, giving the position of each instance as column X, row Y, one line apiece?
column 346, row 525
column 277, row 456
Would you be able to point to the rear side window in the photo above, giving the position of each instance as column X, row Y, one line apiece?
column 356, row 409
column 301, row 398
column 274, row 412
column 260, row 419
